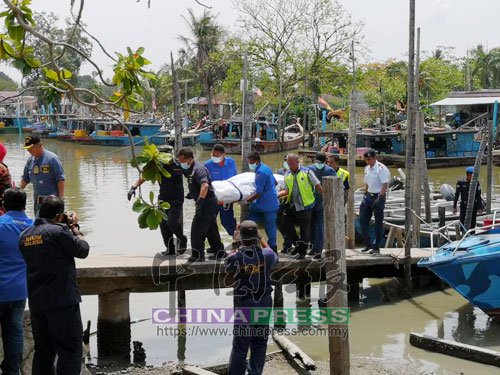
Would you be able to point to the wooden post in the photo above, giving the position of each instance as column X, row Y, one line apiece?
column 280, row 119
column 278, row 305
column 351, row 160
column 335, row 265
column 304, row 121
column 409, row 149
column 181, row 339
column 442, row 223
column 417, row 182
column 491, row 139
column 177, row 113
column 247, row 122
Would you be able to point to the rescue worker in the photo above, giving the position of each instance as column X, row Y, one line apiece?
column 13, row 288
column 264, row 202
column 251, row 265
column 204, row 225
column 462, row 193
column 5, row 177
column 44, row 170
column 222, row 168
column 49, row 249
column 301, row 184
column 171, row 191
column 321, row 170
column 376, row 182
column 288, row 242
column 334, row 162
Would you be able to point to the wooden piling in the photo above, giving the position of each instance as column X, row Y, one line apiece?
column 176, row 96
column 294, row 351
column 442, row 223
column 336, row 270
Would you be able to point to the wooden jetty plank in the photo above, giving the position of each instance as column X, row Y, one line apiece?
column 456, row 349
column 294, row 351
column 193, row 370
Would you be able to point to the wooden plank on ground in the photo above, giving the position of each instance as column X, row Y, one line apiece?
column 293, row 350
column 456, row 349
column 194, row 370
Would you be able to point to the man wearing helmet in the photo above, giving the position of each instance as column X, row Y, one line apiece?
column 462, row 193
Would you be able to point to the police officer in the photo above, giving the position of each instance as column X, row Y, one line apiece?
column 334, row 162
column 462, row 193
column 376, row 182
column 43, row 169
column 251, row 265
column 301, row 184
column 204, row 225
column 222, row 168
column 264, row 203
column 171, row 191
column 321, row 170
column 49, row 249
column 288, row 242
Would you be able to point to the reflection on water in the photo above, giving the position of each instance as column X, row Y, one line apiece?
column 97, row 180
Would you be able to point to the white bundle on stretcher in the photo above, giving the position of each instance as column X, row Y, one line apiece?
column 238, row 188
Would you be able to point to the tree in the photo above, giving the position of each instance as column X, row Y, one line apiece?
column 486, row 67
column 6, row 83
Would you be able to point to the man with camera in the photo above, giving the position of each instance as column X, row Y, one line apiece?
column 49, row 249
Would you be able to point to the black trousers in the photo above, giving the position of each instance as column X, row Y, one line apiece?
column 173, row 225
column 57, row 332
column 463, row 211
column 204, row 226
column 302, row 219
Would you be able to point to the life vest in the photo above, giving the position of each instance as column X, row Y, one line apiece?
column 343, row 174
column 305, row 188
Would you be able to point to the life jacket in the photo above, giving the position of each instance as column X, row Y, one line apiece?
column 343, row 174
column 305, row 188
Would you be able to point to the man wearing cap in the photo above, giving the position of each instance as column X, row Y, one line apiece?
column 44, row 170
column 334, row 162
column 204, row 225
column 264, row 203
column 321, row 170
column 171, row 191
column 462, row 193
column 301, row 185
column 376, row 182
column 5, row 178
column 251, row 265
column 222, row 168
column 288, row 242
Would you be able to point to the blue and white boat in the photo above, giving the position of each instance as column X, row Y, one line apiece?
column 472, row 266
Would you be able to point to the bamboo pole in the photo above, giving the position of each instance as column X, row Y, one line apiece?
column 491, row 140
column 177, row 113
column 304, row 121
column 351, row 159
column 280, row 118
column 335, row 264
column 246, row 141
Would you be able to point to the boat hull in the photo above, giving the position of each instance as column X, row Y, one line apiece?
column 262, row 147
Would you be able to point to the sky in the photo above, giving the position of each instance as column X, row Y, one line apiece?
column 461, row 24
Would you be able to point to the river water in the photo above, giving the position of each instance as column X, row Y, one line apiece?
column 97, row 180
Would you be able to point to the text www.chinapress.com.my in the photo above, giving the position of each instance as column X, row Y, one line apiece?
column 195, row 330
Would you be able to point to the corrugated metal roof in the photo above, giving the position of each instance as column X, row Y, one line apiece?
column 467, row 101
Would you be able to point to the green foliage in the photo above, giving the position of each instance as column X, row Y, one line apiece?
column 6, row 83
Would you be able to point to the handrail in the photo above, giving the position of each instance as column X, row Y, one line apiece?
column 490, row 226
column 474, row 119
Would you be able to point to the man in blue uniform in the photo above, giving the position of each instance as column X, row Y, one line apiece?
column 321, row 170
column 376, row 182
column 49, row 249
column 171, row 191
column 251, row 265
column 13, row 288
column 264, row 203
column 462, row 193
column 222, row 168
column 43, row 169
column 204, row 225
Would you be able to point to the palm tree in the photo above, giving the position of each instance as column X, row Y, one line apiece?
column 204, row 40
column 486, row 66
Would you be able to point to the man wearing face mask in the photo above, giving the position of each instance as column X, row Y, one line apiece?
column 321, row 170
column 222, row 168
column 204, row 225
column 288, row 242
column 264, row 203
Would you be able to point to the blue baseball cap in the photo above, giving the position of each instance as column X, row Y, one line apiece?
column 469, row 170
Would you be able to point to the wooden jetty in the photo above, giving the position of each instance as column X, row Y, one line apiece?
column 113, row 278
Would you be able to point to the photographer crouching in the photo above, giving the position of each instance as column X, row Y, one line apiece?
column 49, row 249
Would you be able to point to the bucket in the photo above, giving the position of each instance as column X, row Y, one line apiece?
column 117, row 133
column 102, row 133
column 80, row 133
column 488, row 222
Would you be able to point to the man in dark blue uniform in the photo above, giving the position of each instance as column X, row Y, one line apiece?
column 49, row 249
column 251, row 265
column 204, row 225
column 320, row 169
column 13, row 288
column 171, row 191
column 222, row 168
column 462, row 193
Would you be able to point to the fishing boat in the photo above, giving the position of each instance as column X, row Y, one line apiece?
column 11, row 124
column 264, row 137
column 472, row 266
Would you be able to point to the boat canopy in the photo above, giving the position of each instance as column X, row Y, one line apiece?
column 466, row 98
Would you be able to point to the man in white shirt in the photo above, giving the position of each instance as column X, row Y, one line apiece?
column 376, row 182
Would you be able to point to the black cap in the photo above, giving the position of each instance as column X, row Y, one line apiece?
column 219, row 147
column 31, row 140
column 335, row 157
column 371, row 153
column 320, row 156
column 165, row 148
column 248, row 231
